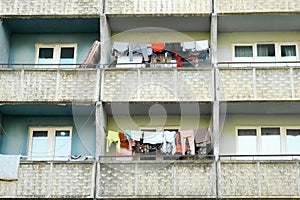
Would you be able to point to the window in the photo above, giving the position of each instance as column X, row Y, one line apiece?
column 49, row 143
column 56, row 54
column 247, row 141
column 268, row 140
column 243, row 51
column 268, row 52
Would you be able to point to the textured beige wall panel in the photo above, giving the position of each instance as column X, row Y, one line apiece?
column 50, row 7
column 159, row 7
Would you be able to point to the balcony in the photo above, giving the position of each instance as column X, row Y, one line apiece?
column 259, row 81
column 48, row 7
column 258, row 179
column 157, row 84
column 257, row 6
column 158, row 7
column 156, row 179
column 51, row 180
column 49, row 85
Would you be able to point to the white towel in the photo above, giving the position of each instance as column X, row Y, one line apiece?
column 202, row 45
column 9, row 167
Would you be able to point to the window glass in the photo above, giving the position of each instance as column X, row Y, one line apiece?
column 293, row 140
column 46, row 56
column 39, row 145
column 67, row 55
column 247, row 141
column 288, row 50
column 265, row 50
column 270, row 140
column 62, row 144
column 243, row 51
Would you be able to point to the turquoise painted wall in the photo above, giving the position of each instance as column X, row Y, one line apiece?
column 4, row 42
column 23, row 45
column 15, row 139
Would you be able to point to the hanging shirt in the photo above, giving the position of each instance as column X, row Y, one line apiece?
column 153, row 137
column 158, row 47
column 136, row 135
column 113, row 136
column 169, row 145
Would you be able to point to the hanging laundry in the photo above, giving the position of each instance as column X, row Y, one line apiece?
column 153, row 137
column 169, row 145
column 158, row 47
column 173, row 47
column 136, row 135
column 113, row 136
column 120, row 48
column 124, row 143
column 202, row 45
column 189, row 46
column 188, row 134
column 202, row 136
column 138, row 48
column 179, row 143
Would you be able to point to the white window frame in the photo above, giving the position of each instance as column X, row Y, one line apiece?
column 255, row 58
column 283, row 141
column 157, row 129
column 56, row 52
column 243, row 59
column 50, row 141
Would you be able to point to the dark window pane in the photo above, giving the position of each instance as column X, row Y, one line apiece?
column 46, row 53
column 288, row 50
column 62, row 133
column 40, row 133
column 67, row 52
column 247, row 132
column 266, row 50
column 293, row 132
column 243, row 51
column 270, row 131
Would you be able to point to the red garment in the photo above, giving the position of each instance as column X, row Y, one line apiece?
column 124, row 142
column 178, row 59
column 179, row 143
column 158, row 47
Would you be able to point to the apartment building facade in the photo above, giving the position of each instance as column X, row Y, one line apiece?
column 231, row 67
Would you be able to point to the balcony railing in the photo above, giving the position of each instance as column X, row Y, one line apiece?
column 50, row 7
column 156, row 179
column 259, row 81
column 257, row 6
column 258, row 178
column 158, row 7
column 49, row 85
column 51, row 180
column 157, row 84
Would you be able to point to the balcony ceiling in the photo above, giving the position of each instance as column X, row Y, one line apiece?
column 157, row 109
column 53, row 25
column 261, row 108
column 178, row 23
column 251, row 23
column 46, row 109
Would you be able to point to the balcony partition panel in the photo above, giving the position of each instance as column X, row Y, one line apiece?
column 158, row 7
column 51, row 180
column 259, row 81
column 153, row 179
column 28, row 85
column 258, row 179
column 157, row 85
column 257, row 6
